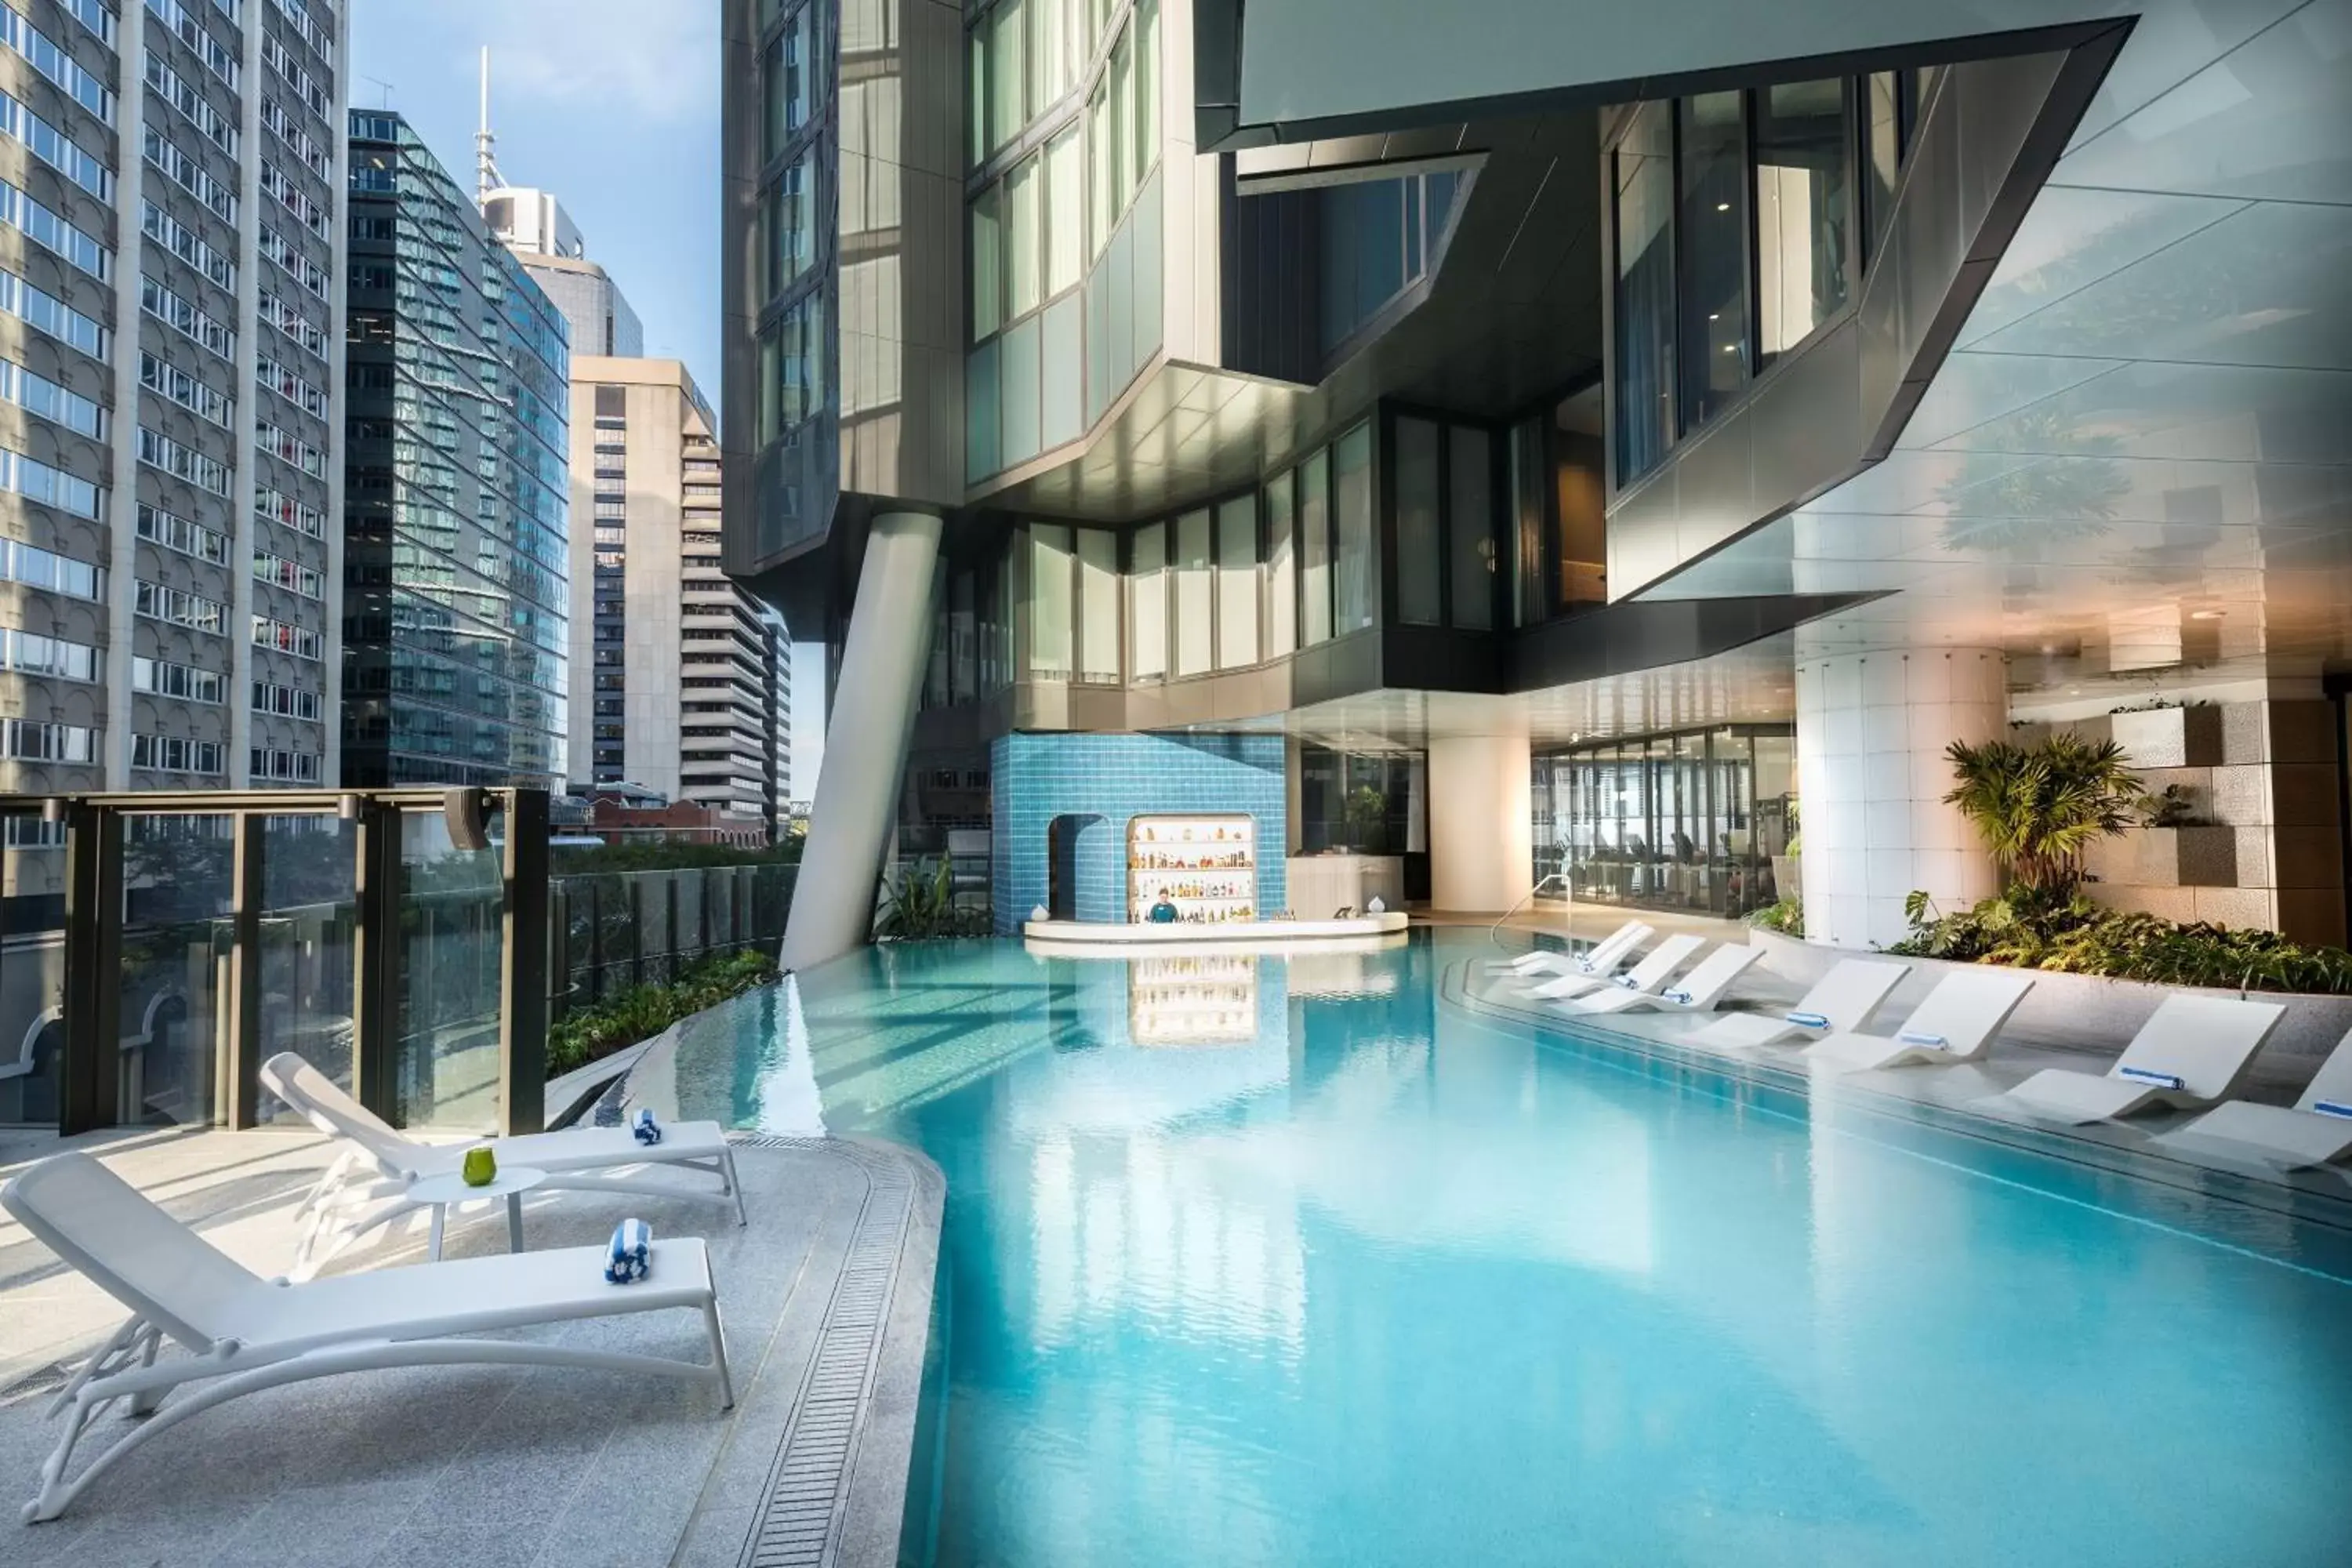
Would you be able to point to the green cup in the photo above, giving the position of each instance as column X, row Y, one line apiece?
column 481, row 1167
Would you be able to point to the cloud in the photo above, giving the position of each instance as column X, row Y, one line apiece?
column 656, row 63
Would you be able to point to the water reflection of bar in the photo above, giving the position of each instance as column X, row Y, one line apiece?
column 1205, row 1000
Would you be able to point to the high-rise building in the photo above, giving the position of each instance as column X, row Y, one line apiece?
column 594, row 307
column 673, row 664
column 457, row 541
column 172, row 333
column 1545, row 458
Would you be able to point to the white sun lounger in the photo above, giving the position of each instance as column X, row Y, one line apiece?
column 1697, row 992
column 588, row 1158
column 2193, row 1051
column 1657, row 966
column 243, row 1333
column 2316, row 1130
column 1955, row 1024
column 1602, row 958
column 1841, row 1004
column 1646, row 978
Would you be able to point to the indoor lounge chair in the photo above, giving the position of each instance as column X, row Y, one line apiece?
column 1841, row 1004
column 1602, row 958
column 1955, row 1024
column 1696, row 992
column 243, row 1333
column 2193, row 1051
column 588, row 1158
column 2316, row 1130
column 1650, row 975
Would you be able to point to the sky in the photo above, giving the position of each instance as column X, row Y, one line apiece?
column 611, row 104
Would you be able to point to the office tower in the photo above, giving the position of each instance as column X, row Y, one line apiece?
column 456, row 520
column 672, row 663
column 173, row 337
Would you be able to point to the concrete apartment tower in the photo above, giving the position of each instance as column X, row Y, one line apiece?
column 673, row 671
column 172, row 245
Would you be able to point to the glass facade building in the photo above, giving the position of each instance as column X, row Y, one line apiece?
column 456, row 517
column 1697, row 821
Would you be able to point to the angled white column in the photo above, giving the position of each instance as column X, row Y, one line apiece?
column 1871, row 777
column 856, row 805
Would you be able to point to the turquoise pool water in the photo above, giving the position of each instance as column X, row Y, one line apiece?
column 1373, row 1281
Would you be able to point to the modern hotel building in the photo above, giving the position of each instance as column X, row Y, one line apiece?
column 1513, row 446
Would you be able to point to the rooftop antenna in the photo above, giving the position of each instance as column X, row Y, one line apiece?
column 485, row 158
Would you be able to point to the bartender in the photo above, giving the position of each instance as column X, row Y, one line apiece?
column 1163, row 913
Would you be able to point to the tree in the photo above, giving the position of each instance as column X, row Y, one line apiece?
column 2039, row 808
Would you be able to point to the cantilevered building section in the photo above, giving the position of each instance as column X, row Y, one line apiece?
column 457, row 521
column 1566, row 445
column 170, row 375
column 673, row 663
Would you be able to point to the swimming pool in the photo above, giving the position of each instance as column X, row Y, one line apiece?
column 1295, row 1263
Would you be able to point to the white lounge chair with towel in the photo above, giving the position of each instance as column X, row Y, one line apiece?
column 1657, row 967
column 2314, row 1130
column 591, row 1158
column 2193, row 1051
column 243, row 1333
column 1603, row 957
column 1957, row 1023
column 1696, row 992
column 1842, row 1002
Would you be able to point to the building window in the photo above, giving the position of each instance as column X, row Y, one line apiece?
column 175, row 755
column 161, row 677
column 1146, row 602
column 1643, row 175
column 1237, row 592
column 1098, row 605
column 1195, row 595
column 1355, row 577
column 1419, row 575
column 1280, row 570
column 1803, row 151
column 1713, row 233
column 1048, row 610
column 1470, row 525
column 1314, row 551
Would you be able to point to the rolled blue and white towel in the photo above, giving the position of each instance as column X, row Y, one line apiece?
column 632, row 1258
column 643, row 1126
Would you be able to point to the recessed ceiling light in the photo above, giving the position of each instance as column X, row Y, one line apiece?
column 1723, row 206
column 1731, row 348
column 2204, row 615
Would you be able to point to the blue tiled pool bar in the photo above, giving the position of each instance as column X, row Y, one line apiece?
column 1264, row 1262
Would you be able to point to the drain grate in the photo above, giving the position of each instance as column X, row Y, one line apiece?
column 798, row 1522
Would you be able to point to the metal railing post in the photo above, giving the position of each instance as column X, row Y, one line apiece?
column 375, row 961
column 595, row 939
column 522, row 967
column 240, row 1089
column 90, row 1073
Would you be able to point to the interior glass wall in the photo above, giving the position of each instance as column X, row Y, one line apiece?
column 1365, row 803
column 1695, row 821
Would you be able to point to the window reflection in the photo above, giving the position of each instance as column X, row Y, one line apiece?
column 1801, row 203
column 1646, row 282
column 1713, row 234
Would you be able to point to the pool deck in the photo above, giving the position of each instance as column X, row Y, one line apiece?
column 1967, row 1094
column 827, row 1301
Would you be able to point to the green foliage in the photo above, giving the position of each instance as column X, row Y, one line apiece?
column 658, row 855
column 1367, row 816
column 585, row 1034
column 921, row 905
column 2073, row 935
column 2041, row 807
column 1787, row 916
